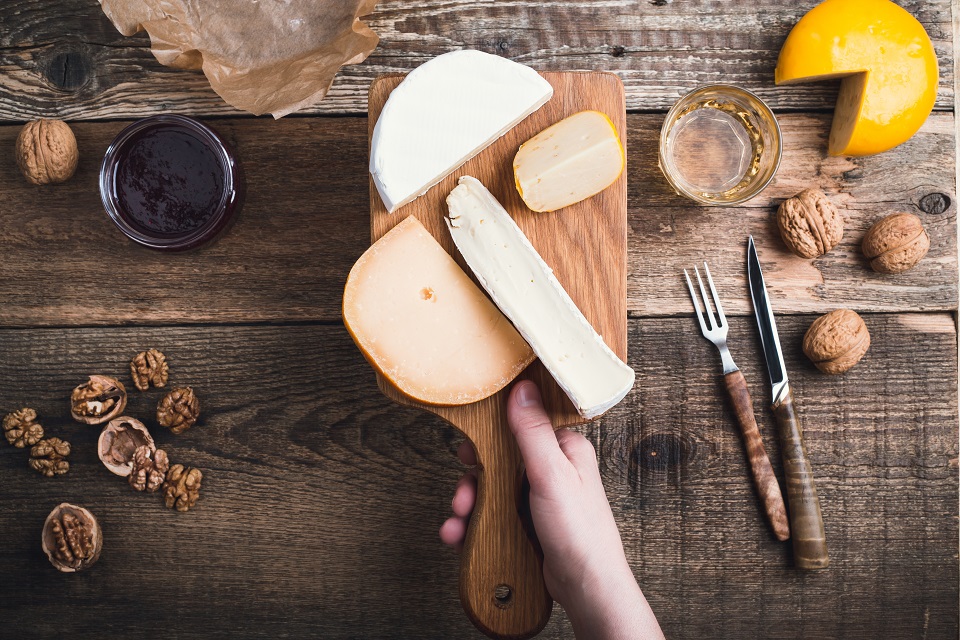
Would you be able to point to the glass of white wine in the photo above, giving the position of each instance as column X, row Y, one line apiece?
column 720, row 145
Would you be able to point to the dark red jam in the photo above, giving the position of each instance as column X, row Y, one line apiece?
column 170, row 182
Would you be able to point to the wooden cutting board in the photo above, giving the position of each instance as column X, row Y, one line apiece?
column 501, row 579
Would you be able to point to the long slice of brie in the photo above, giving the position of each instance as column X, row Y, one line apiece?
column 525, row 289
column 445, row 112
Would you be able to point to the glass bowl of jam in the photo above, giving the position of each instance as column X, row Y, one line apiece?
column 170, row 182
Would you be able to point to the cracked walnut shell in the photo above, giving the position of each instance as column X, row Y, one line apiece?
column 149, row 469
column 71, row 538
column 896, row 243
column 149, row 367
column 181, row 489
column 178, row 410
column 98, row 400
column 835, row 342
column 49, row 457
column 118, row 441
column 810, row 224
column 22, row 429
column 47, row 151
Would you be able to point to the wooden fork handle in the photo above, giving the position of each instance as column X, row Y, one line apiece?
column 763, row 476
column 809, row 539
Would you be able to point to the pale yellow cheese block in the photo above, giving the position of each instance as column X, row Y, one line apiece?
column 423, row 323
column 570, row 161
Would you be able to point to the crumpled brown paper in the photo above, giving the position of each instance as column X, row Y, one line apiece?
column 262, row 56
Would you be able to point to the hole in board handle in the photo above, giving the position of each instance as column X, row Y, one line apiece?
column 503, row 595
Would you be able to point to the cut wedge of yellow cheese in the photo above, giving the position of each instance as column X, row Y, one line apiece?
column 570, row 161
column 887, row 63
column 423, row 323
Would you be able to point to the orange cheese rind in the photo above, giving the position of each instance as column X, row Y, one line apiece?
column 886, row 62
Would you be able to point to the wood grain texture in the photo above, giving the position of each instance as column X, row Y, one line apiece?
column 586, row 245
column 764, row 479
column 660, row 49
column 306, row 221
column 321, row 498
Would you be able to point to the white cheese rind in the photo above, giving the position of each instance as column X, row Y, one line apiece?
column 445, row 112
column 525, row 289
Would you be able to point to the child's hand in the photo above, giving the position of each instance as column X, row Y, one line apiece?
column 584, row 566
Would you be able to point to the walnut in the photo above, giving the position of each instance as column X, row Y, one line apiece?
column 98, row 400
column 810, row 224
column 149, row 367
column 896, row 243
column 22, row 429
column 181, row 489
column 118, row 440
column 49, row 457
column 71, row 538
column 835, row 342
column 178, row 410
column 149, row 469
column 47, row 151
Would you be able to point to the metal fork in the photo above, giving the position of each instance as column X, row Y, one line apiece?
column 714, row 329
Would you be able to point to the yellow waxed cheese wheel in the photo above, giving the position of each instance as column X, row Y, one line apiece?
column 887, row 63
column 423, row 323
column 570, row 161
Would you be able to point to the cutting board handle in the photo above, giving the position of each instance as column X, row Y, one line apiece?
column 501, row 570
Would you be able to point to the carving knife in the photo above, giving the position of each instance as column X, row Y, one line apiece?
column 806, row 522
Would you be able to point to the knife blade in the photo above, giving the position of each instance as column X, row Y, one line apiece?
column 806, row 520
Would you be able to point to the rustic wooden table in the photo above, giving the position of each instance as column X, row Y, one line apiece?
column 321, row 499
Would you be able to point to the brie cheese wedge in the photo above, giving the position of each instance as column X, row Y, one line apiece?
column 445, row 112
column 527, row 292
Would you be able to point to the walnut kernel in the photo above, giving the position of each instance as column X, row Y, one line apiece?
column 149, row 367
column 22, row 429
column 835, row 342
column 810, row 224
column 71, row 538
column 896, row 243
column 98, row 400
column 118, row 441
column 178, row 410
column 49, row 457
column 181, row 489
column 47, row 151
column 149, row 469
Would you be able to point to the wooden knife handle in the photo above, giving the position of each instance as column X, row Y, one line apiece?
column 501, row 571
column 763, row 477
column 809, row 539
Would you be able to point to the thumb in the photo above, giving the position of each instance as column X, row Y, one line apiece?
column 530, row 424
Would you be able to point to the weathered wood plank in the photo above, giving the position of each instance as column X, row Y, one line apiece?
column 659, row 49
column 321, row 499
column 305, row 222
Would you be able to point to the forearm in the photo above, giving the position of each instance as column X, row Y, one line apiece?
column 612, row 607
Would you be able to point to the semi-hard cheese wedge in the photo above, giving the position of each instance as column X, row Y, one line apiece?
column 423, row 323
column 445, row 112
column 525, row 289
column 888, row 66
column 570, row 161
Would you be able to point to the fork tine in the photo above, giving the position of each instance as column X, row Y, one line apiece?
column 706, row 303
column 696, row 303
column 716, row 297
